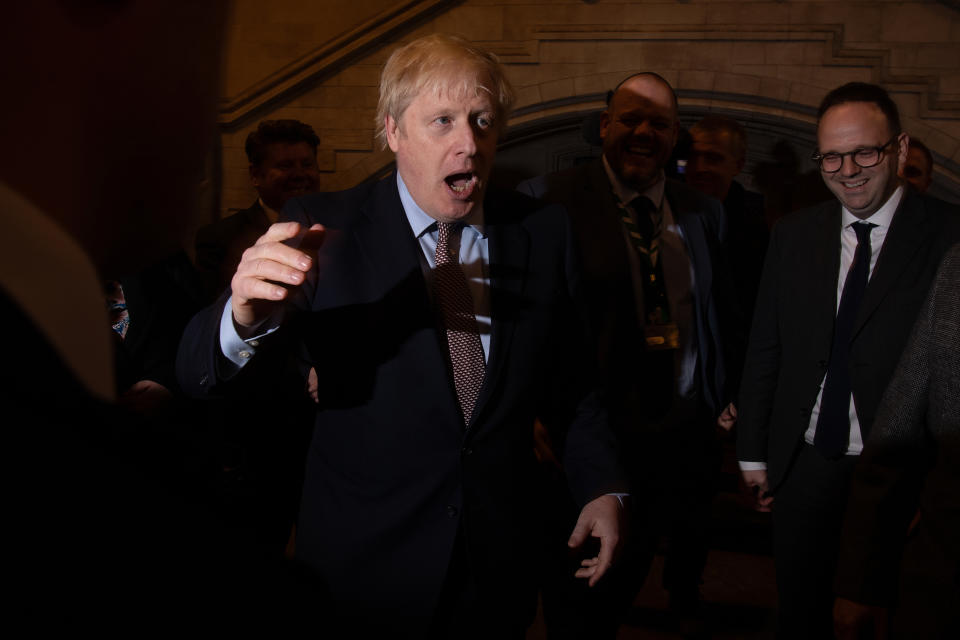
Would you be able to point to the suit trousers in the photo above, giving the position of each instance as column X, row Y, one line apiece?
column 462, row 613
column 807, row 520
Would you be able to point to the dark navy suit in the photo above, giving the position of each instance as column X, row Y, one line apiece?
column 394, row 482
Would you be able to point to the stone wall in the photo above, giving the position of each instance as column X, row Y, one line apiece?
column 766, row 62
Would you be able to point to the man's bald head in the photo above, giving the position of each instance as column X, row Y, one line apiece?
column 639, row 128
column 636, row 81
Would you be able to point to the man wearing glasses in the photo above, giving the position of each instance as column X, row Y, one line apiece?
column 841, row 287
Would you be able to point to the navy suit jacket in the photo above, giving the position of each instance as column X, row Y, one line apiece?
column 392, row 473
column 586, row 192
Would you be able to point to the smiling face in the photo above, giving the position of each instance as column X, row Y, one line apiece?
column 444, row 142
column 289, row 169
column 858, row 125
column 639, row 130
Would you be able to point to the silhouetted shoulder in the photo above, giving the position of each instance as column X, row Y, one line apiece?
column 515, row 206
column 557, row 186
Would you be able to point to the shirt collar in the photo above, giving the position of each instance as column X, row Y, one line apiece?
column 272, row 214
column 627, row 193
column 882, row 217
column 421, row 222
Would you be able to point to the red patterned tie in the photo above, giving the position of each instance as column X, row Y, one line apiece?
column 456, row 305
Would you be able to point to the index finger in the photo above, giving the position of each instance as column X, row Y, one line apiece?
column 285, row 244
column 280, row 231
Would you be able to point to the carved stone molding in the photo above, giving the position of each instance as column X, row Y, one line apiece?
column 836, row 53
column 326, row 59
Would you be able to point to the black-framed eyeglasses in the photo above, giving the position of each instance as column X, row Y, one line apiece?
column 864, row 158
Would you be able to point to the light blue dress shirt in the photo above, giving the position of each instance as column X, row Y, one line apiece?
column 474, row 256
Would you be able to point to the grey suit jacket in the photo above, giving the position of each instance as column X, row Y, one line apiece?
column 912, row 460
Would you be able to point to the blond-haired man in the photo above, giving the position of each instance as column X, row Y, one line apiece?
column 439, row 317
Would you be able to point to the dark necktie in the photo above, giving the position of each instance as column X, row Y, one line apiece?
column 456, row 306
column 644, row 235
column 833, row 423
column 645, row 232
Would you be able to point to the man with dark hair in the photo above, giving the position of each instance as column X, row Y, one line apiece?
column 716, row 157
column 918, row 169
column 283, row 161
column 662, row 310
column 283, row 164
column 841, row 287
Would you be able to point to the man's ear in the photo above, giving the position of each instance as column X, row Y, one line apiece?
column 903, row 149
column 604, row 123
column 392, row 128
column 255, row 176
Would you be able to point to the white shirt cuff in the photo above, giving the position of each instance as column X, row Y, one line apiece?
column 235, row 349
column 619, row 497
column 752, row 466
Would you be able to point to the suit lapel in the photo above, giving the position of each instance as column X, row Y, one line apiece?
column 600, row 198
column 509, row 246
column 393, row 258
column 386, row 240
column 599, row 230
column 824, row 264
column 694, row 240
column 255, row 216
column 904, row 239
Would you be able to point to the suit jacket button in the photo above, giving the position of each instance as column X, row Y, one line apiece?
column 822, row 364
column 466, row 451
column 203, row 381
column 452, row 511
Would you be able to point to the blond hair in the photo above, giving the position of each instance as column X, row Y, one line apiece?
column 440, row 63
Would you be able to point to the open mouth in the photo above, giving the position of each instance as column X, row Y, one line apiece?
column 641, row 151
column 462, row 185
